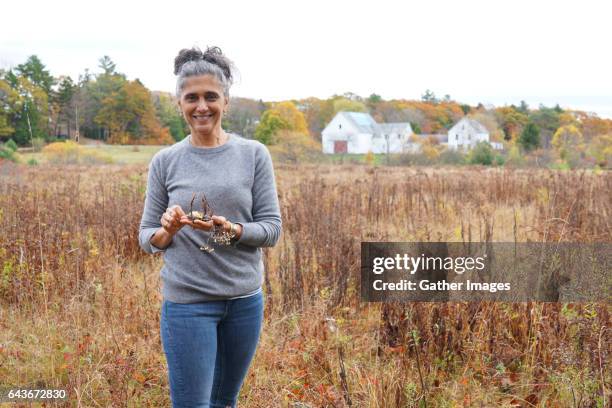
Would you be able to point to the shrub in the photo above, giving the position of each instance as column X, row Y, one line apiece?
column 482, row 154
column 10, row 144
column 500, row 160
column 62, row 152
column 452, row 157
column 33, row 162
column 7, row 154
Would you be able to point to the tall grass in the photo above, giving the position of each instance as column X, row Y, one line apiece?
column 80, row 300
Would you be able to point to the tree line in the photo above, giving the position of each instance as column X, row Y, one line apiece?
column 552, row 133
column 109, row 107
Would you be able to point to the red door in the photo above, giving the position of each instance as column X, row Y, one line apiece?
column 340, row 146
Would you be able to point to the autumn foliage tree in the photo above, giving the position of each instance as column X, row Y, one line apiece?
column 569, row 143
column 281, row 116
column 294, row 146
column 243, row 115
column 318, row 113
column 347, row 105
column 27, row 109
column 512, row 121
column 169, row 115
column 8, row 98
column 600, row 149
column 593, row 126
column 130, row 117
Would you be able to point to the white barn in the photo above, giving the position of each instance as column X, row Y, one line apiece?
column 467, row 133
column 357, row 132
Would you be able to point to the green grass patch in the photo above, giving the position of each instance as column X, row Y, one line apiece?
column 121, row 154
column 349, row 158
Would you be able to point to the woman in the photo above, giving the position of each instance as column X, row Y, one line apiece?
column 212, row 307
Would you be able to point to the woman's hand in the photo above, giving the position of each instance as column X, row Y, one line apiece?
column 171, row 220
column 206, row 225
column 217, row 220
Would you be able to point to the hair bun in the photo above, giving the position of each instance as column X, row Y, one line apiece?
column 213, row 55
column 186, row 55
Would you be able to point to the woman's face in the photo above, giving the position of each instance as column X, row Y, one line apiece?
column 202, row 103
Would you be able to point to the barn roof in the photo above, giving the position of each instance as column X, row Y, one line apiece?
column 363, row 121
column 474, row 124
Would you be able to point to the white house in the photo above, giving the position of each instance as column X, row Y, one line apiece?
column 357, row 132
column 467, row 133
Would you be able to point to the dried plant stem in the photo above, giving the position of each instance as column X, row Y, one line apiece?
column 423, row 388
column 345, row 388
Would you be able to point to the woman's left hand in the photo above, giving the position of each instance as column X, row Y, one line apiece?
column 207, row 225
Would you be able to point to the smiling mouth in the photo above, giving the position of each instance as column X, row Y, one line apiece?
column 203, row 117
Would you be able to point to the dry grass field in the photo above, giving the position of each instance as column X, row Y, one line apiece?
column 79, row 300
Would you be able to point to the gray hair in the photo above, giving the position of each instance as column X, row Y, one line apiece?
column 192, row 62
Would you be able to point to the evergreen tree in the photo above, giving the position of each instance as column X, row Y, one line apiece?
column 107, row 65
column 530, row 137
column 35, row 71
column 429, row 96
column 523, row 108
column 373, row 99
column 63, row 100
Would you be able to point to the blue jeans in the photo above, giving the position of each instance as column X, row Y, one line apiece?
column 209, row 347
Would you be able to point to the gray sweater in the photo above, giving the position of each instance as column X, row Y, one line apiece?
column 238, row 181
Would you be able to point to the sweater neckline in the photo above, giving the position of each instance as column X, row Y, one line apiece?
column 209, row 150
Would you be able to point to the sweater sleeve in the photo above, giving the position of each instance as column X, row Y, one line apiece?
column 265, row 229
column 156, row 202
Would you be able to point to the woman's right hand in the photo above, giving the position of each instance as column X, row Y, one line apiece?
column 171, row 219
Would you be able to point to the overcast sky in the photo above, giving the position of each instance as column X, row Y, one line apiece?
column 476, row 51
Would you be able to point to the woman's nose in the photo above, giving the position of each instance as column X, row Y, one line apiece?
column 202, row 105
